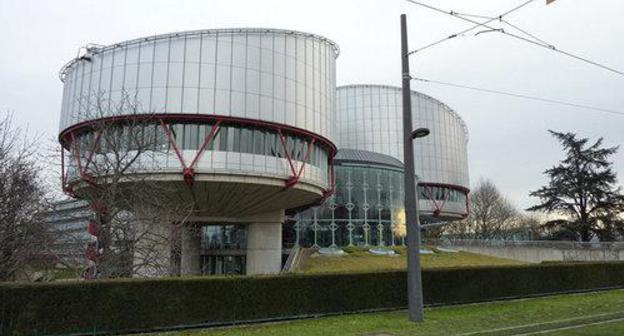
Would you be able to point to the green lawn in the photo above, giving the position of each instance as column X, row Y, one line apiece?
column 519, row 317
column 360, row 260
column 601, row 329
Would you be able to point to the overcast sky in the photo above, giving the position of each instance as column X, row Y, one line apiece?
column 508, row 137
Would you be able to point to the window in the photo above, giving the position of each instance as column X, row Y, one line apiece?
column 269, row 145
column 290, row 147
column 188, row 136
column 223, row 137
column 223, row 264
column 177, row 132
column 223, row 237
column 259, row 138
column 235, row 137
column 246, row 142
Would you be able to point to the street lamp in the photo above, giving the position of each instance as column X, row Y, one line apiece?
column 420, row 133
column 412, row 221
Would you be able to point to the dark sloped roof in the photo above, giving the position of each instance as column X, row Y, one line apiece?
column 366, row 157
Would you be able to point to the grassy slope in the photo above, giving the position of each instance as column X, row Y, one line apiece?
column 457, row 320
column 362, row 261
column 606, row 329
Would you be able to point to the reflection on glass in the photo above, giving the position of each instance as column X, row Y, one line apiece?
column 223, row 264
column 360, row 213
column 219, row 237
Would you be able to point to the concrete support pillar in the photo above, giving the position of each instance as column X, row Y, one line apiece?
column 264, row 244
column 152, row 249
column 191, row 244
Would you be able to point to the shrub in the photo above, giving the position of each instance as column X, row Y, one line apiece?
column 132, row 305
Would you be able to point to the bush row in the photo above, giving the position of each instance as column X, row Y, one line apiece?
column 132, row 305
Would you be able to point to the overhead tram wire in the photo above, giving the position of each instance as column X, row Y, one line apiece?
column 486, row 25
column 523, row 96
column 478, row 24
column 527, row 33
column 507, row 23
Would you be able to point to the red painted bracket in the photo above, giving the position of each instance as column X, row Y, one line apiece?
column 68, row 137
column 189, row 171
column 99, row 207
column 64, row 175
column 93, row 229
column 332, row 180
column 438, row 207
column 90, row 273
column 296, row 175
column 91, row 252
column 85, row 175
column 447, row 187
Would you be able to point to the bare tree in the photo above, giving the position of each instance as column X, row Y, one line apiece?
column 136, row 218
column 23, row 236
column 491, row 215
column 491, row 212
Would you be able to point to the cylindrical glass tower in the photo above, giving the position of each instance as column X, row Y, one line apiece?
column 243, row 117
column 369, row 117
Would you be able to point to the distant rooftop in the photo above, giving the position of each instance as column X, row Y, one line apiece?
column 346, row 155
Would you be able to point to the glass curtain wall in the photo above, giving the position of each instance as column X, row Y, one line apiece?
column 365, row 210
column 228, row 138
column 223, row 249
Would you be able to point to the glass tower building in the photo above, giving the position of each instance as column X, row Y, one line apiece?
column 249, row 128
column 366, row 208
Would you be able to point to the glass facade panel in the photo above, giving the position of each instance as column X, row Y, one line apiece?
column 369, row 119
column 151, row 138
column 222, row 249
column 223, row 237
column 223, row 264
column 279, row 76
column 360, row 211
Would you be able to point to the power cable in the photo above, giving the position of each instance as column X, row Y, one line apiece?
column 478, row 24
column 472, row 15
column 503, row 21
column 527, row 33
column 486, row 25
column 534, row 37
column 517, row 95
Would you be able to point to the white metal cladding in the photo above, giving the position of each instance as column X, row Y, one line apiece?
column 278, row 76
column 369, row 117
column 281, row 76
column 234, row 150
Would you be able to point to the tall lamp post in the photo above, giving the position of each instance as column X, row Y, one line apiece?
column 414, row 279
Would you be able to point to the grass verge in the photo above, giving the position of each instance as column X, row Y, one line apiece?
column 583, row 314
column 360, row 260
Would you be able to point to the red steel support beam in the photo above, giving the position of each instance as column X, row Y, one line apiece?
column 439, row 207
column 287, row 152
column 172, row 142
column 207, row 140
column 189, row 171
column 76, row 151
column 98, row 135
column 332, row 181
column 296, row 175
column 307, row 156
column 68, row 137
column 64, row 175
column 82, row 170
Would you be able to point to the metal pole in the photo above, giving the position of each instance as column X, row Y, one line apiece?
column 414, row 279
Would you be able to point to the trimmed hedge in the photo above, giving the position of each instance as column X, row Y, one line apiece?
column 132, row 305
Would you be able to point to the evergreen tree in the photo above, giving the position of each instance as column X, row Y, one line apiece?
column 583, row 190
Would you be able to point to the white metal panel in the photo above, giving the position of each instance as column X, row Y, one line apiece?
column 369, row 118
column 290, row 74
